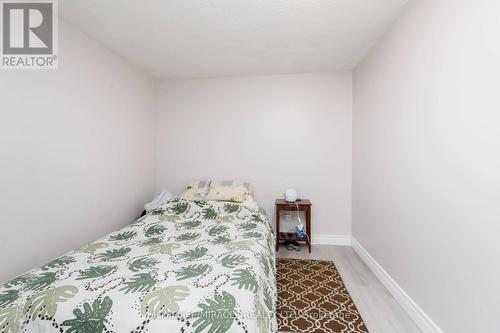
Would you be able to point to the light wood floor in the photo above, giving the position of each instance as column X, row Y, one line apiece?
column 380, row 311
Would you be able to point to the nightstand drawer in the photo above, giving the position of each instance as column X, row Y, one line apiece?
column 291, row 207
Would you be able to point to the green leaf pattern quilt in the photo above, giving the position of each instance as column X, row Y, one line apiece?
column 188, row 266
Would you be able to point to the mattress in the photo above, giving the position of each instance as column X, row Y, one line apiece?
column 188, row 266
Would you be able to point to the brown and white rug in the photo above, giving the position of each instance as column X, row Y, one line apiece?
column 313, row 299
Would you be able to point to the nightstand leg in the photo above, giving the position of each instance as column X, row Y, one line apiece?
column 308, row 227
column 277, row 228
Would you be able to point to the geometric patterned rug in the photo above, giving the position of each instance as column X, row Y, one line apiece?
column 313, row 299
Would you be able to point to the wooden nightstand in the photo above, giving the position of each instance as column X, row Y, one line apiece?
column 304, row 205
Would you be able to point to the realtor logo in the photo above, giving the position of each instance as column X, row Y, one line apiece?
column 29, row 34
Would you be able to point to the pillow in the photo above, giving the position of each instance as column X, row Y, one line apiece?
column 195, row 193
column 227, row 193
column 230, row 183
column 164, row 196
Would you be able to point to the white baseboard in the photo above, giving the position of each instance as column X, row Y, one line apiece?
column 324, row 239
column 407, row 303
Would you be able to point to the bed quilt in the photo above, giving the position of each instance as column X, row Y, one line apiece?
column 188, row 266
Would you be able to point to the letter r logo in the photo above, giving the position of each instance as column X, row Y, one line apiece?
column 27, row 28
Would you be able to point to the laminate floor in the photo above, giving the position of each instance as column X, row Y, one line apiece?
column 380, row 311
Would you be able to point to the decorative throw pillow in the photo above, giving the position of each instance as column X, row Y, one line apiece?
column 195, row 194
column 234, row 183
column 227, row 193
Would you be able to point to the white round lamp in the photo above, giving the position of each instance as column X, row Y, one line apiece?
column 291, row 195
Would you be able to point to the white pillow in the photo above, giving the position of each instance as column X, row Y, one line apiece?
column 164, row 196
column 227, row 193
column 248, row 186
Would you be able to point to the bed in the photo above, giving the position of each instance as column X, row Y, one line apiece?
column 187, row 266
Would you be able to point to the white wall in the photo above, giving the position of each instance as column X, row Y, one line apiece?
column 76, row 152
column 274, row 131
column 426, row 143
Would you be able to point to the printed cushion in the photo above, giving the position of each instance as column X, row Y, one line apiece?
column 195, row 194
column 233, row 183
column 228, row 193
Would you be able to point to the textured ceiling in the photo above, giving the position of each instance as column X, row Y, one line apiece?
column 208, row 38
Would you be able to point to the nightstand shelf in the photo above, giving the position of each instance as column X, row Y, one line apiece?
column 303, row 205
column 289, row 236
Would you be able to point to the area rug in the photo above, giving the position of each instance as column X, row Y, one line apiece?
column 313, row 299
